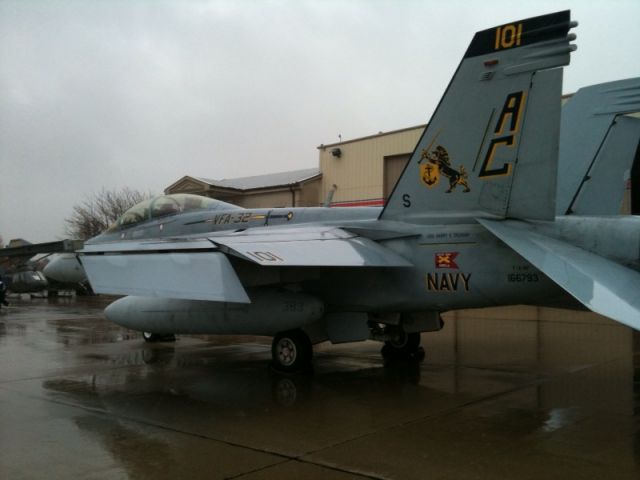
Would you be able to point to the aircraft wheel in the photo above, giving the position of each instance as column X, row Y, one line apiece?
column 157, row 337
column 403, row 345
column 291, row 351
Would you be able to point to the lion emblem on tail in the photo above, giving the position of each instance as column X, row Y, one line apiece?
column 440, row 158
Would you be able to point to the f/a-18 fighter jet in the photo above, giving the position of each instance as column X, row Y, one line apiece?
column 471, row 223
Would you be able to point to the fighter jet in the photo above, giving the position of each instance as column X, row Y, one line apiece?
column 19, row 274
column 471, row 223
column 66, row 269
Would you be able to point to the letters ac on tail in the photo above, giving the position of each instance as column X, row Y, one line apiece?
column 510, row 115
column 436, row 163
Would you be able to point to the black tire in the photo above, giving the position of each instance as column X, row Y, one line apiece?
column 405, row 342
column 150, row 337
column 291, row 351
column 157, row 337
column 403, row 346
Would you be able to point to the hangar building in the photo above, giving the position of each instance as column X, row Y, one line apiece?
column 357, row 172
column 297, row 188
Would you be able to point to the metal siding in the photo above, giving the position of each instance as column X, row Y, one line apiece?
column 359, row 172
column 266, row 199
column 309, row 194
column 393, row 168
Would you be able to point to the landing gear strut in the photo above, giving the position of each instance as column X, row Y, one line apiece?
column 291, row 351
column 403, row 345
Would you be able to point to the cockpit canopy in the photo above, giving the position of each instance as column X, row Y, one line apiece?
column 165, row 205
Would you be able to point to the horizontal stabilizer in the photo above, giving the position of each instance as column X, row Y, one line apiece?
column 308, row 246
column 191, row 276
column 601, row 285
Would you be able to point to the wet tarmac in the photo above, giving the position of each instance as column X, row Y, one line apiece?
column 512, row 393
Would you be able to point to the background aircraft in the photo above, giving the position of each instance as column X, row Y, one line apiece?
column 23, row 275
column 19, row 274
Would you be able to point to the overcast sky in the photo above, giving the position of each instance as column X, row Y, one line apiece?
column 110, row 94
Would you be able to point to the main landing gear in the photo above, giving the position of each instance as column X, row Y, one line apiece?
column 291, row 351
column 402, row 345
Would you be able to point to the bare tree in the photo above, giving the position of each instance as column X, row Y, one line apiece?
column 98, row 211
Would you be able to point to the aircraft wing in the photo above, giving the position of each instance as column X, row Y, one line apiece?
column 200, row 269
column 29, row 250
column 601, row 285
column 308, row 246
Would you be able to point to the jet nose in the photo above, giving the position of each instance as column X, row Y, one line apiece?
column 66, row 269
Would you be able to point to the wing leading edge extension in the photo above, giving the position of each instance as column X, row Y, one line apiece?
column 309, row 246
column 601, row 285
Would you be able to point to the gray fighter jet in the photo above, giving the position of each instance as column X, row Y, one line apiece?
column 17, row 271
column 20, row 274
column 471, row 223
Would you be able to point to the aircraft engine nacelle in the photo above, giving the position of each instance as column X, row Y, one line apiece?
column 269, row 312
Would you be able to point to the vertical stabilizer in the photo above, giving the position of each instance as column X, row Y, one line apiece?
column 491, row 145
column 598, row 144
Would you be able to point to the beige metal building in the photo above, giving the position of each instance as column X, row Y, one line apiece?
column 358, row 172
column 363, row 171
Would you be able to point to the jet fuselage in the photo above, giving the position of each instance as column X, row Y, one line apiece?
column 457, row 263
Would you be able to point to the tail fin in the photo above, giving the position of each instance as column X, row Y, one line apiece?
column 491, row 145
column 597, row 147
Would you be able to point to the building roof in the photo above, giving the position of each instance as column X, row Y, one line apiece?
column 269, row 180
column 376, row 135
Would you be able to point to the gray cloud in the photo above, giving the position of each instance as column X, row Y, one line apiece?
column 138, row 94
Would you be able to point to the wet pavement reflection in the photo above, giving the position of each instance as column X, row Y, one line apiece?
column 503, row 393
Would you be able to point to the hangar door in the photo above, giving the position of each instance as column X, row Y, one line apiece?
column 393, row 168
